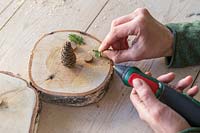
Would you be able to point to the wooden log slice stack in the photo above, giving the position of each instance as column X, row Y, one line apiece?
column 77, row 84
column 18, row 105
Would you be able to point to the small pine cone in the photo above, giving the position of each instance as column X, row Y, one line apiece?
column 68, row 57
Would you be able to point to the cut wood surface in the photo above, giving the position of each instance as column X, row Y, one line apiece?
column 80, row 85
column 19, row 105
column 114, row 113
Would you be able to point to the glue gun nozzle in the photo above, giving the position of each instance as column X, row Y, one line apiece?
column 120, row 69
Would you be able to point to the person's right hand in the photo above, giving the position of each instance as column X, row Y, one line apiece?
column 160, row 117
column 152, row 38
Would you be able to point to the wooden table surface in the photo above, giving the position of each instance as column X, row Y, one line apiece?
column 22, row 22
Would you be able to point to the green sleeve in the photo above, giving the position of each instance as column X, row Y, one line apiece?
column 186, row 44
column 191, row 130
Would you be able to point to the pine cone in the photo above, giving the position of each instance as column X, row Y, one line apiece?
column 68, row 57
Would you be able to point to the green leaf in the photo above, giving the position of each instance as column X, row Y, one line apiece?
column 76, row 39
column 97, row 53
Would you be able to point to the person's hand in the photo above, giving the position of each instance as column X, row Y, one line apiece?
column 160, row 117
column 152, row 38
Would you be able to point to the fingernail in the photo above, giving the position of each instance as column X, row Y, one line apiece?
column 100, row 49
column 137, row 83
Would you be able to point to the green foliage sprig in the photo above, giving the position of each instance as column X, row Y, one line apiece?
column 97, row 53
column 76, row 39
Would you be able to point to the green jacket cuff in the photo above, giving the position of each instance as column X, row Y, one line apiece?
column 186, row 47
column 191, row 130
column 169, row 60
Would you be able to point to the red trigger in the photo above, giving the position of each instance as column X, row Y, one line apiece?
column 154, row 86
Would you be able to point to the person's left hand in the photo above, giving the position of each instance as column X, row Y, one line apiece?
column 159, row 116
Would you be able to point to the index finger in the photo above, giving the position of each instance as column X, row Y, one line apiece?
column 117, row 33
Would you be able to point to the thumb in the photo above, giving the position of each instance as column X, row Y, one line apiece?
column 144, row 92
column 118, row 56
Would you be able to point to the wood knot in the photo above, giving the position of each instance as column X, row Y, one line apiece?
column 68, row 57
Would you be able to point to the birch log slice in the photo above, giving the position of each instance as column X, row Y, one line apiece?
column 18, row 105
column 83, row 84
